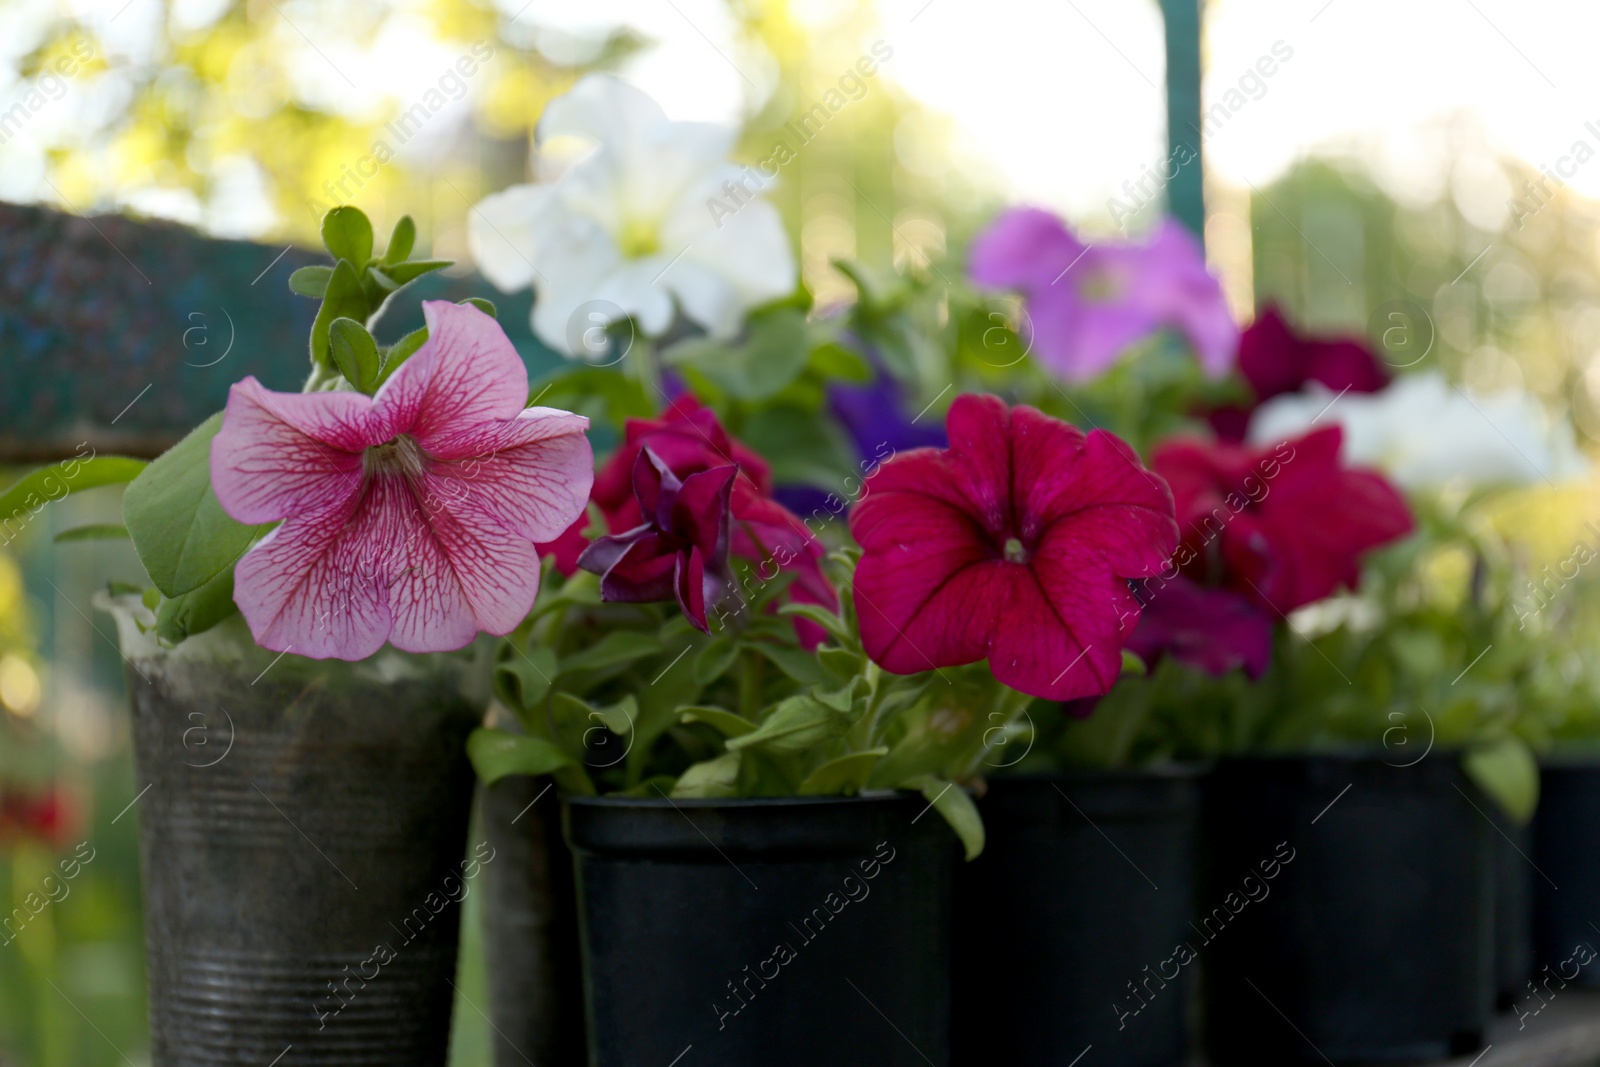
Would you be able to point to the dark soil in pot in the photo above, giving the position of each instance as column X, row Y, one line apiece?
column 1066, row 926
column 1347, row 910
column 788, row 932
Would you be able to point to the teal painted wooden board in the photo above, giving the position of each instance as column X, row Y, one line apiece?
column 123, row 334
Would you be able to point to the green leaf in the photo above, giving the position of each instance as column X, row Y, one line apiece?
column 401, row 351
column 797, row 663
column 38, row 487
column 533, row 671
column 724, row 722
column 619, row 717
column 347, row 234
column 958, row 810
column 578, row 385
column 847, row 774
column 382, row 280
column 713, row 778
column 98, row 531
column 797, row 723
column 772, row 353
column 824, row 618
column 617, row 647
column 497, row 753
column 183, row 536
column 411, row 270
column 1132, row 664
column 344, row 299
column 197, row 610
column 485, row 306
column 713, row 661
column 401, row 240
column 1507, row 771
column 311, row 281
column 355, row 353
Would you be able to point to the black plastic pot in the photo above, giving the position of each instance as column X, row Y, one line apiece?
column 784, row 932
column 1347, row 910
column 302, row 837
column 1513, row 907
column 1566, row 853
column 1066, row 925
column 530, row 919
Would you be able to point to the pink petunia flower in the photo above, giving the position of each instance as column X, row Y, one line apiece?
column 410, row 516
column 1088, row 303
column 1015, row 544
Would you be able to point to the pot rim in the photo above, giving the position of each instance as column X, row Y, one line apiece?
column 616, row 802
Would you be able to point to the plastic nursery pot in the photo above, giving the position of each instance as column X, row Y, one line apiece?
column 302, row 836
column 530, row 922
column 1346, row 913
column 788, row 932
column 1513, row 907
column 1066, row 925
column 1566, row 832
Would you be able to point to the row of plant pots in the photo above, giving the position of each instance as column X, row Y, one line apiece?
column 1338, row 907
column 302, row 893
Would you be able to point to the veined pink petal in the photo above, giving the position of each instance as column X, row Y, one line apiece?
column 310, row 588
column 451, row 579
column 283, row 454
column 530, row 489
column 1106, row 499
column 466, row 373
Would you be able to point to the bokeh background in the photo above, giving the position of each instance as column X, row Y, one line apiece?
column 1441, row 153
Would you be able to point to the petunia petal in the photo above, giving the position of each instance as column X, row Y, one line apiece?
column 465, row 374
column 283, row 454
column 529, row 476
column 317, row 585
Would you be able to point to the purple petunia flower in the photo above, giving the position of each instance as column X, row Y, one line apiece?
column 1089, row 302
column 1214, row 630
column 680, row 551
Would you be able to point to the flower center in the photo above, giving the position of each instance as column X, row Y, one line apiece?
column 402, row 456
column 1014, row 552
column 639, row 238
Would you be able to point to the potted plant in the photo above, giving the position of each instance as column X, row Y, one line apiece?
column 1364, row 770
column 305, row 671
column 736, row 770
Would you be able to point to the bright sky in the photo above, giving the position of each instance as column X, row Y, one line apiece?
column 1060, row 98
column 1063, row 97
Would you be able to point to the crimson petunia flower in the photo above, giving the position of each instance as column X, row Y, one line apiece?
column 409, row 516
column 1213, row 630
column 1276, row 360
column 688, row 439
column 567, row 547
column 680, row 551
column 1014, row 545
column 1285, row 525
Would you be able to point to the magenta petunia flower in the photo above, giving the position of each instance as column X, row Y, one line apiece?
column 680, row 551
column 409, row 516
column 1014, row 545
column 1089, row 302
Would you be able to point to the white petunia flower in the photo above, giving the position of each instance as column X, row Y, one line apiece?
column 1426, row 433
column 654, row 217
